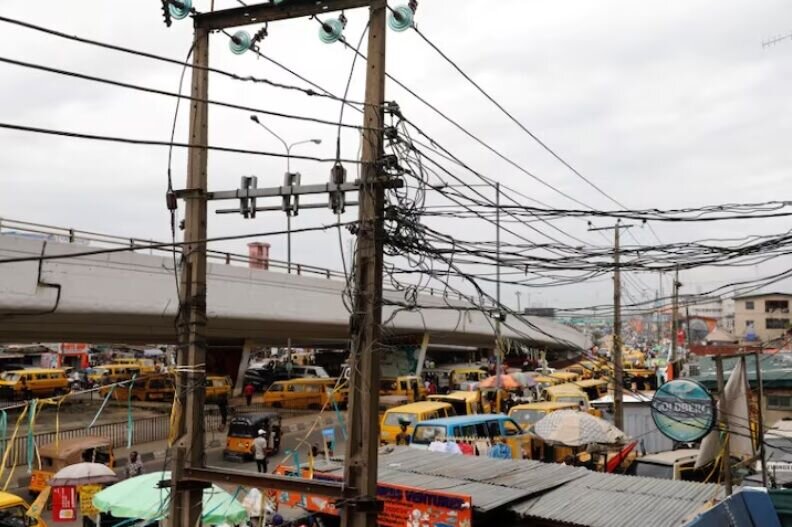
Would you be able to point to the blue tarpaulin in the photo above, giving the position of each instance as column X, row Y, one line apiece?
column 747, row 508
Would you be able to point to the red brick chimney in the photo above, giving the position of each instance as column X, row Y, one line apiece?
column 258, row 253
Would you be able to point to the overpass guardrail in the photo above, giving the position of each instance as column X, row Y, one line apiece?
column 95, row 239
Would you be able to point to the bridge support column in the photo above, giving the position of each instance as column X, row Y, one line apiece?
column 247, row 347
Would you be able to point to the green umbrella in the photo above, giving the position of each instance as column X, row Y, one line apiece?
column 140, row 497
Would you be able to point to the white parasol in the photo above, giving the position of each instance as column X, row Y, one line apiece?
column 83, row 474
column 574, row 428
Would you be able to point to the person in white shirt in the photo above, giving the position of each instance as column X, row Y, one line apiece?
column 260, row 451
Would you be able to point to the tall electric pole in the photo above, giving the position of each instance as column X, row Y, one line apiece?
column 190, row 380
column 675, row 321
column 498, row 350
column 618, row 364
column 359, row 488
column 360, row 468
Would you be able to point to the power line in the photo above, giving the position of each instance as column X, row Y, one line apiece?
column 156, row 91
column 145, row 54
column 163, row 245
column 150, row 142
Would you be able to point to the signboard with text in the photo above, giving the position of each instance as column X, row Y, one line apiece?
column 402, row 505
column 64, row 504
column 683, row 410
column 87, row 492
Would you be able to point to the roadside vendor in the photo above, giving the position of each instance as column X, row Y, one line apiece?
column 403, row 437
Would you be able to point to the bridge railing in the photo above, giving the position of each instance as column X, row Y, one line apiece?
column 78, row 236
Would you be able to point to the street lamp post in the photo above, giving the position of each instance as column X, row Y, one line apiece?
column 288, row 147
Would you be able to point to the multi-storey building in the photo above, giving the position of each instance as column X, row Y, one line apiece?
column 761, row 316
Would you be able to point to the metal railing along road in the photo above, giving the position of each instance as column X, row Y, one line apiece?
column 67, row 235
column 76, row 236
column 144, row 430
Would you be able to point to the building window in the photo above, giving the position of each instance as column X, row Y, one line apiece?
column 777, row 306
column 749, row 323
column 776, row 323
column 749, row 305
column 779, row 402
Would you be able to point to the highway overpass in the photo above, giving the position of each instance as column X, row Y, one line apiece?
column 130, row 297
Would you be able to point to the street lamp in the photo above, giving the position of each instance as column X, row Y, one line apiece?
column 288, row 148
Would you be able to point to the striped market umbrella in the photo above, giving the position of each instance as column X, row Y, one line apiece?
column 574, row 428
column 507, row 382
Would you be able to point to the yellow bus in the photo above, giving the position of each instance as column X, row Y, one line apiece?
column 409, row 386
column 411, row 413
column 570, row 393
column 565, row 376
column 111, row 373
column 33, row 382
column 145, row 365
column 528, row 414
column 147, row 388
column 594, row 388
column 218, row 387
column 464, row 402
column 544, row 382
column 302, row 394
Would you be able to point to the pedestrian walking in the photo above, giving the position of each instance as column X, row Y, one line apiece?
column 134, row 466
column 432, row 387
column 222, row 406
column 249, row 390
column 260, row 447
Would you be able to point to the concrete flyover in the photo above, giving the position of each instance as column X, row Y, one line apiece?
column 131, row 297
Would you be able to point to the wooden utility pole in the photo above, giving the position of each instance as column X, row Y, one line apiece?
column 189, row 473
column 675, row 322
column 498, row 350
column 723, row 426
column 360, row 469
column 186, row 506
column 760, row 418
column 618, row 363
column 616, row 352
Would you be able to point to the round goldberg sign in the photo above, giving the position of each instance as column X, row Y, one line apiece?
column 683, row 410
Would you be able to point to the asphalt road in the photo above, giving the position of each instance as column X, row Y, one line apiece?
column 290, row 441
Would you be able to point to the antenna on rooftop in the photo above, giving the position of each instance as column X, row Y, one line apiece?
column 775, row 40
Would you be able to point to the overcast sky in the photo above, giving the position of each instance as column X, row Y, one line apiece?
column 662, row 104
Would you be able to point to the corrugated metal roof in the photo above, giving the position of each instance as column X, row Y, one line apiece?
column 607, row 500
column 548, row 491
column 524, row 474
column 491, row 482
column 402, row 468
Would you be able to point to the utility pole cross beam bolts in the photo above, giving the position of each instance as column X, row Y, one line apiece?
column 360, row 472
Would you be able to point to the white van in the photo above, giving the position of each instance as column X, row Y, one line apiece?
column 309, row 372
column 672, row 464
